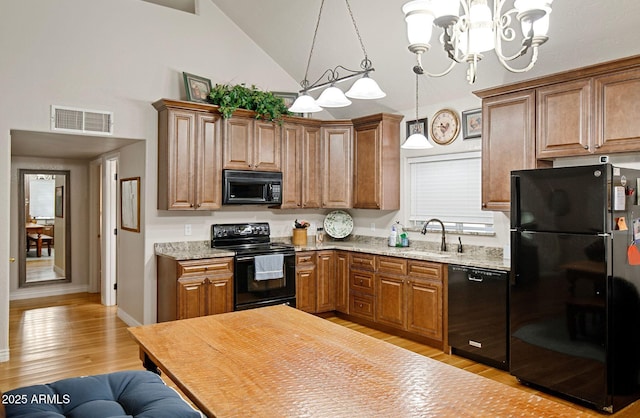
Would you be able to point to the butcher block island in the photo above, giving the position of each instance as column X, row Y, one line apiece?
column 280, row 361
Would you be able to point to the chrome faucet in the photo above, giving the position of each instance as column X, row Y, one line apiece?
column 443, row 243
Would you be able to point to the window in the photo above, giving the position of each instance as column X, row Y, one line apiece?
column 448, row 187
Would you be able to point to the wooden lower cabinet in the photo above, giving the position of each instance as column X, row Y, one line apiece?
column 362, row 294
column 425, row 308
column 326, row 281
column 306, row 281
column 192, row 288
column 342, row 281
column 316, row 281
column 412, row 302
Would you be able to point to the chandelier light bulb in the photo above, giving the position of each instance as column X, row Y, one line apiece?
column 419, row 18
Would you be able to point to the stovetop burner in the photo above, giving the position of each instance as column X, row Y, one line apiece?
column 246, row 238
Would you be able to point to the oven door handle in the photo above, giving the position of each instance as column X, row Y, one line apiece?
column 247, row 258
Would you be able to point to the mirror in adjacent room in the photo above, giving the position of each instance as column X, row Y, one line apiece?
column 45, row 222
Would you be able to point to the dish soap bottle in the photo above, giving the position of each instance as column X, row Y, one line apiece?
column 393, row 237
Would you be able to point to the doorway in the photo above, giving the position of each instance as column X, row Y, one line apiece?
column 45, row 243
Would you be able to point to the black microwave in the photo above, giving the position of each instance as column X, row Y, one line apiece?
column 241, row 187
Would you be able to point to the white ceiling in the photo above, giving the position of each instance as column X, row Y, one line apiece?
column 54, row 145
column 582, row 32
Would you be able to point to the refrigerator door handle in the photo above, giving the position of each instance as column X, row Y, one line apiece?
column 515, row 201
column 515, row 243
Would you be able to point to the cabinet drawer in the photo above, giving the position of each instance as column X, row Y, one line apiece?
column 306, row 258
column 426, row 269
column 362, row 261
column 392, row 265
column 361, row 281
column 209, row 266
column 361, row 305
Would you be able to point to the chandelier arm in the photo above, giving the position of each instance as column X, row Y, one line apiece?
column 305, row 82
column 534, row 58
column 419, row 68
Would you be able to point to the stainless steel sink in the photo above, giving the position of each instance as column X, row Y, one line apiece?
column 427, row 254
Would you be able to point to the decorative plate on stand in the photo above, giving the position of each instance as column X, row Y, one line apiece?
column 338, row 224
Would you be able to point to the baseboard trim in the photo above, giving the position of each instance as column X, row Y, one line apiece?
column 43, row 291
column 4, row 355
column 128, row 319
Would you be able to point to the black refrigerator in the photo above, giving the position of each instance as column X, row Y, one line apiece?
column 574, row 310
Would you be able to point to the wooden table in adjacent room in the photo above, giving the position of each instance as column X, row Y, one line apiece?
column 279, row 361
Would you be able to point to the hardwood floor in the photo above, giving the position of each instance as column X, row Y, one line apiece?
column 66, row 336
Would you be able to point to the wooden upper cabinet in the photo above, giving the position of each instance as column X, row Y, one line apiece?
column 617, row 111
column 311, row 170
column 336, row 165
column 189, row 149
column 563, row 122
column 251, row 144
column 266, row 148
column 208, row 162
column 291, row 165
column 508, row 143
column 376, row 162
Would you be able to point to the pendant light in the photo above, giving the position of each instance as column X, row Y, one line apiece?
column 364, row 88
column 417, row 140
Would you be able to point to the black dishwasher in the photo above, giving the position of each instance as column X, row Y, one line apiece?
column 478, row 306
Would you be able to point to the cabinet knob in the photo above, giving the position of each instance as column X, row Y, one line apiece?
column 360, row 281
column 587, row 146
column 484, row 205
column 597, row 146
column 191, row 205
column 360, row 305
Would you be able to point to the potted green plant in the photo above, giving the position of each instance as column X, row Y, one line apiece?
column 229, row 98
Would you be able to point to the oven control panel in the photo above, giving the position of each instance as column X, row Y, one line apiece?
column 229, row 234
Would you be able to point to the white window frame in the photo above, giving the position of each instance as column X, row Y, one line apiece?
column 478, row 223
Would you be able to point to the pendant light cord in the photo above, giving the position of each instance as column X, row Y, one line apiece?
column 419, row 127
column 305, row 82
column 365, row 64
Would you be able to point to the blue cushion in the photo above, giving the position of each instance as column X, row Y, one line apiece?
column 138, row 394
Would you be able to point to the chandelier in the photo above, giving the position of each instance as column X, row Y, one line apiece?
column 470, row 29
column 364, row 88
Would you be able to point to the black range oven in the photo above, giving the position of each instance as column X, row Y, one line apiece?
column 264, row 271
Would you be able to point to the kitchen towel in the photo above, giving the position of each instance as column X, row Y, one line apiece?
column 269, row 267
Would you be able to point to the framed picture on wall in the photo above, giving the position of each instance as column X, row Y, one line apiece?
column 59, row 202
column 130, row 204
column 472, row 124
column 198, row 88
column 417, row 126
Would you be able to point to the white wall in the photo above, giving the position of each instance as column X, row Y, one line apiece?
column 119, row 56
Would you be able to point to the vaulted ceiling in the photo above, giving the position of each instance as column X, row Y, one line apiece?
column 582, row 32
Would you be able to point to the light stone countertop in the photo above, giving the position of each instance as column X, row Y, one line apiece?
column 483, row 257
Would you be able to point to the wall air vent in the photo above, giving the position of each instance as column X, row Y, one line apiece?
column 83, row 121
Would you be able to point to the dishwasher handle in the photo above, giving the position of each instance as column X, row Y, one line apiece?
column 473, row 278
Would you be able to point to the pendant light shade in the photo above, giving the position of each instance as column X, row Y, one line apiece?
column 417, row 141
column 305, row 104
column 365, row 88
column 332, row 97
